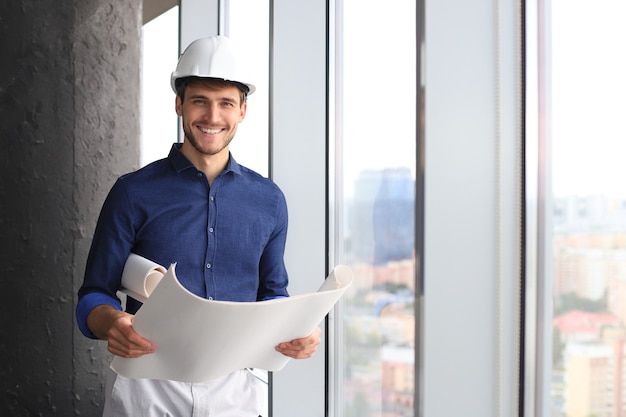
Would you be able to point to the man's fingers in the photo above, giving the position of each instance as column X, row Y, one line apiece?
column 130, row 349
column 296, row 351
column 302, row 348
column 124, row 341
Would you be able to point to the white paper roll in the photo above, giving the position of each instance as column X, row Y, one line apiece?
column 140, row 277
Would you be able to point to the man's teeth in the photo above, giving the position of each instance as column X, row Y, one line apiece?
column 211, row 131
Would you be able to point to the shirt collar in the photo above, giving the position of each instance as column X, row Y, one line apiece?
column 181, row 163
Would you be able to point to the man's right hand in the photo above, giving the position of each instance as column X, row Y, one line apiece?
column 116, row 327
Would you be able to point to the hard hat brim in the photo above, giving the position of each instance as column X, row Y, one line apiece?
column 177, row 76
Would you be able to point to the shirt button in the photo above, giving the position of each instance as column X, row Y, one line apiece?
column 210, row 298
column 211, row 229
column 208, row 266
column 199, row 174
column 211, row 198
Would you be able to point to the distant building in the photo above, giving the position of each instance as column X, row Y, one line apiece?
column 382, row 217
column 588, row 374
column 398, row 380
column 586, row 264
column 616, row 300
column 580, row 326
column 593, row 365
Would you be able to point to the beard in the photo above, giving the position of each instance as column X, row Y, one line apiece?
column 206, row 150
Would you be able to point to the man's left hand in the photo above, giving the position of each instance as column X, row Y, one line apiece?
column 302, row 348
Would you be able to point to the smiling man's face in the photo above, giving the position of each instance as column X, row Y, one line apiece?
column 210, row 116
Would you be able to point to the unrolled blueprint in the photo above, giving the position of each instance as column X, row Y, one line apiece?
column 198, row 339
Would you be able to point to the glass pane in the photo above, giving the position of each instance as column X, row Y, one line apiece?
column 377, row 159
column 589, row 200
column 249, row 30
column 159, row 127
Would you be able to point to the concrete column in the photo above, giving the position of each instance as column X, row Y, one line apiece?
column 69, row 105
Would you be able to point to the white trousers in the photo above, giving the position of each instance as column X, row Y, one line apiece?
column 238, row 394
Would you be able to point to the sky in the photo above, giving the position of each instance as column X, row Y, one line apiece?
column 589, row 97
column 160, row 55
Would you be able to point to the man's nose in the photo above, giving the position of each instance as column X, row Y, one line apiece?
column 211, row 113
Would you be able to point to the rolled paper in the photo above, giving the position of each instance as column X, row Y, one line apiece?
column 140, row 277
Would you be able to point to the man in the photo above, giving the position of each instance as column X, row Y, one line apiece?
column 222, row 224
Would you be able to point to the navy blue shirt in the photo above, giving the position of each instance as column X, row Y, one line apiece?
column 227, row 240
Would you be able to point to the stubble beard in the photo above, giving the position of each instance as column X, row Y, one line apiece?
column 193, row 140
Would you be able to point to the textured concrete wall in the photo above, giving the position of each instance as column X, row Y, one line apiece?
column 69, row 105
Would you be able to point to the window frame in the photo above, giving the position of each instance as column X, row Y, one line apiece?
column 538, row 206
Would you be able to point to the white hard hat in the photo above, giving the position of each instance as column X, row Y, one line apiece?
column 209, row 58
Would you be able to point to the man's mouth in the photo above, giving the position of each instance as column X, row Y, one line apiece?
column 210, row 131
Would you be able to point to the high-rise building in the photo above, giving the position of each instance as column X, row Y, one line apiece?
column 383, row 216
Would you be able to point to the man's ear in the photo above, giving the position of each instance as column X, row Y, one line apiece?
column 242, row 113
column 179, row 106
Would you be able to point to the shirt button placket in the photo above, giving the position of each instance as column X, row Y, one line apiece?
column 211, row 247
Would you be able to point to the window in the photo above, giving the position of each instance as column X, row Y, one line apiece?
column 377, row 159
column 249, row 30
column 587, row 235
column 160, row 55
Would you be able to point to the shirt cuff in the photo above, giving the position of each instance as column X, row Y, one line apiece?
column 87, row 303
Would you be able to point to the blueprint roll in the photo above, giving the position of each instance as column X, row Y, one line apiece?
column 140, row 277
